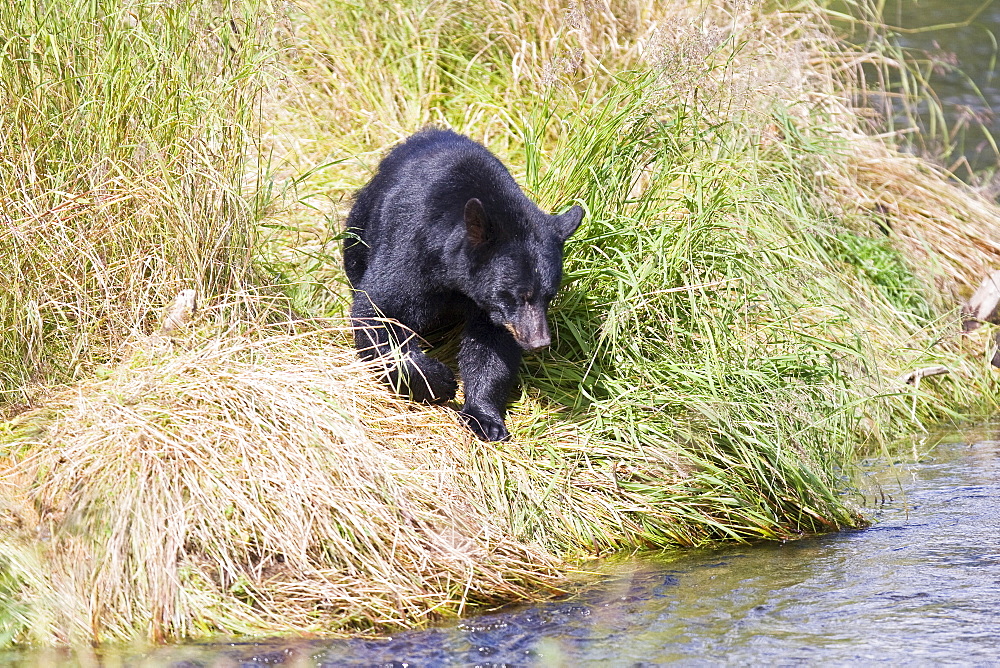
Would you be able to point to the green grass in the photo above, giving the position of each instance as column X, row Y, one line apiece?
column 731, row 333
column 129, row 131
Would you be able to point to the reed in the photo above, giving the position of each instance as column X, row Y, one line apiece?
column 755, row 275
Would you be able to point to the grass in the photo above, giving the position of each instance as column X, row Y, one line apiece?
column 754, row 276
column 263, row 526
column 127, row 133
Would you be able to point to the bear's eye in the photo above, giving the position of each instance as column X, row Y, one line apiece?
column 507, row 299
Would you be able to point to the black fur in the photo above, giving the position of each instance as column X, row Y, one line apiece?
column 442, row 232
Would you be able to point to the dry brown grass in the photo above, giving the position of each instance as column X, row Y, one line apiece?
column 249, row 485
column 950, row 233
column 265, row 483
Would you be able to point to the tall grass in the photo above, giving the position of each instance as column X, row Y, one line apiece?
column 127, row 132
column 732, row 331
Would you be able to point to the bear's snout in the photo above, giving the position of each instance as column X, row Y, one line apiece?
column 531, row 329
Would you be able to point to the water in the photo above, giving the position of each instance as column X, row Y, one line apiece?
column 970, row 94
column 922, row 587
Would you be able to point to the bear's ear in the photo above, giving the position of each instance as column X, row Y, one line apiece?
column 567, row 222
column 477, row 225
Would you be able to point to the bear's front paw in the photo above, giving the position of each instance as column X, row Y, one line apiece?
column 485, row 427
column 432, row 382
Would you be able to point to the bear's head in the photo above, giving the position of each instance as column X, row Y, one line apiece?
column 516, row 266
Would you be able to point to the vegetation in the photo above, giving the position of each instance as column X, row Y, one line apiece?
column 754, row 276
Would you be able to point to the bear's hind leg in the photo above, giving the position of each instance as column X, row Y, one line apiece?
column 407, row 369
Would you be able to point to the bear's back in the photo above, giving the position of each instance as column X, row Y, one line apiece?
column 426, row 181
column 410, row 217
column 437, row 162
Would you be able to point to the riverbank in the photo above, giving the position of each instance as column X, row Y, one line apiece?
column 895, row 590
column 755, row 276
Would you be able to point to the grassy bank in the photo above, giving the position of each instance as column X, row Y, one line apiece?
column 754, row 276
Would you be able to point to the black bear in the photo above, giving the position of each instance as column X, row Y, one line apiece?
column 443, row 233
